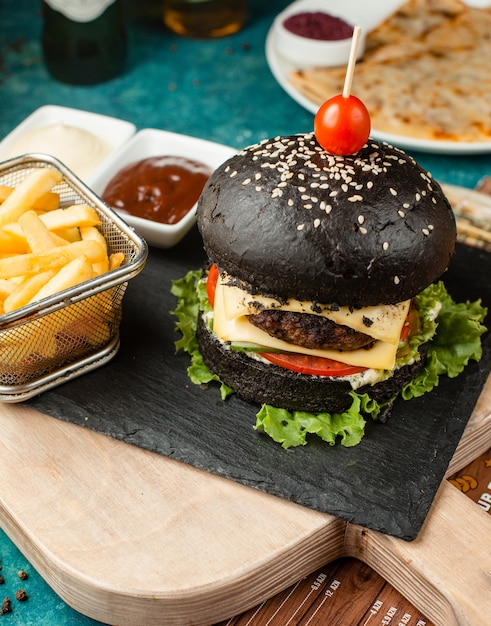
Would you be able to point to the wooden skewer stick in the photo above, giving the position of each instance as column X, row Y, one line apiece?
column 351, row 62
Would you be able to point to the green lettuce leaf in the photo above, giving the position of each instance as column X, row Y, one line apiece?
column 455, row 340
column 191, row 297
column 291, row 428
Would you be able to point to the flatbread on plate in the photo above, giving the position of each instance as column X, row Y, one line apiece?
column 425, row 74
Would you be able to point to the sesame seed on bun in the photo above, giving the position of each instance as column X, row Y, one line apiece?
column 291, row 220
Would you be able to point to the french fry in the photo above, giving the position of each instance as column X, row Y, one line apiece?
column 61, row 241
column 37, row 235
column 47, row 202
column 23, row 293
column 6, row 288
column 68, row 234
column 12, row 244
column 88, row 328
column 17, row 347
column 73, row 273
column 77, row 215
column 115, row 260
column 17, row 241
column 25, row 195
column 13, row 230
column 91, row 233
column 36, row 262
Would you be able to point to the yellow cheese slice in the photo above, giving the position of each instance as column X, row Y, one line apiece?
column 382, row 322
column 238, row 328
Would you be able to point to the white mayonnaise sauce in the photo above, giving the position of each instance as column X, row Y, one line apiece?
column 80, row 150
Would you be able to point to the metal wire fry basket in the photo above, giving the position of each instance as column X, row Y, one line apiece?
column 48, row 342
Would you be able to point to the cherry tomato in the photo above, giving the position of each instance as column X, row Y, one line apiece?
column 342, row 125
column 313, row 365
column 211, row 284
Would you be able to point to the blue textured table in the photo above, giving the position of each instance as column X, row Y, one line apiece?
column 220, row 90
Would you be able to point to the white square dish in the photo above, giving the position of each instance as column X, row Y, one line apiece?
column 64, row 143
column 151, row 142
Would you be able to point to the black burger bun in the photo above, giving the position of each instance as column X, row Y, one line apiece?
column 292, row 220
column 258, row 382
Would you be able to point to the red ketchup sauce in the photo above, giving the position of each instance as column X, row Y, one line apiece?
column 318, row 25
column 162, row 189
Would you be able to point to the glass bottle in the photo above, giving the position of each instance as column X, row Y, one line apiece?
column 84, row 43
column 205, row 19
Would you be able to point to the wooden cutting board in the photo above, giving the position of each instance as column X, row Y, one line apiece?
column 130, row 537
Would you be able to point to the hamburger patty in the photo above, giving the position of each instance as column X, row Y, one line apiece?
column 309, row 331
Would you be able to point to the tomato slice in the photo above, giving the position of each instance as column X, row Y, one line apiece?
column 211, row 283
column 313, row 365
column 406, row 328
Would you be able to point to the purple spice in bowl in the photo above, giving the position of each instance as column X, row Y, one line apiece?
column 318, row 25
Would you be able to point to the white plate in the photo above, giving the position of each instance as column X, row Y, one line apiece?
column 367, row 15
column 112, row 131
column 153, row 142
column 307, row 52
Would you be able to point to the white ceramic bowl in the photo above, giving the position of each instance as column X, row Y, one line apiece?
column 304, row 52
column 111, row 131
column 151, row 142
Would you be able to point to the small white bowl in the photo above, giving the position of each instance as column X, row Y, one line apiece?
column 151, row 142
column 111, row 131
column 304, row 52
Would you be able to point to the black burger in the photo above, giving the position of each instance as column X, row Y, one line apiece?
column 321, row 298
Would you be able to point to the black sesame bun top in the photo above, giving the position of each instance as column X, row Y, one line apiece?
column 294, row 221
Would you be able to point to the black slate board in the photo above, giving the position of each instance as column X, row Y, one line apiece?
column 143, row 396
